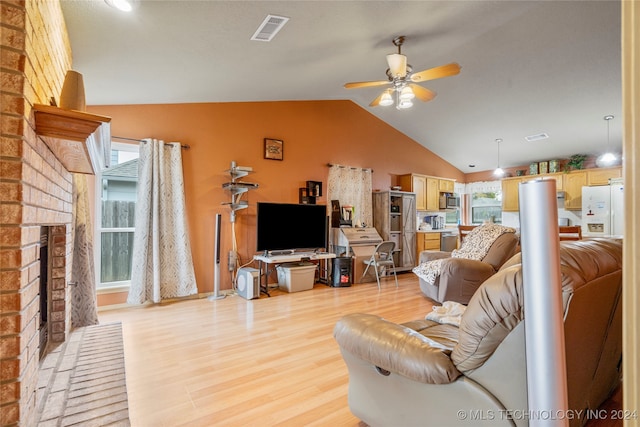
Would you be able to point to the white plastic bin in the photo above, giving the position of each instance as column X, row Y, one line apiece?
column 296, row 276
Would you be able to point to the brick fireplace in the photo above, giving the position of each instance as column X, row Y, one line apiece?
column 35, row 191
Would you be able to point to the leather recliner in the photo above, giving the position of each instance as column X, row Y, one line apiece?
column 460, row 277
column 426, row 373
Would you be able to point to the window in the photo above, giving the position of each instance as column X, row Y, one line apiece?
column 486, row 206
column 452, row 216
column 116, row 192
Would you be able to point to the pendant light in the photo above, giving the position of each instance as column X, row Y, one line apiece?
column 608, row 158
column 498, row 172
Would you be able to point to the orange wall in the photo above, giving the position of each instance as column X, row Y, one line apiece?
column 315, row 133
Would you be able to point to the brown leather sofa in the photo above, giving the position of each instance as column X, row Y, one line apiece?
column 426, row 373
column 460, row 277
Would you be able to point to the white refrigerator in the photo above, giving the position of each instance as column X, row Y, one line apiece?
column 603, row 210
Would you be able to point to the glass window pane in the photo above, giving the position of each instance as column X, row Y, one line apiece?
column 486, row 213
column 116, row 250
column 118, row 214
column 486, row 207
column 452, row 217
column 117, row 190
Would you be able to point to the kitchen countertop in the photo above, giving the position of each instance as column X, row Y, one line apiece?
column 440, row 230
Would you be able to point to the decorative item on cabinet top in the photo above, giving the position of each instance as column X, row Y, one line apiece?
column 543, row 167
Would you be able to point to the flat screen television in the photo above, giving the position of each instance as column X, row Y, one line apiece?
column 287, row 226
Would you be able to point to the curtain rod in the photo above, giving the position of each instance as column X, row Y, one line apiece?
column 351, row 167
column 183, row 146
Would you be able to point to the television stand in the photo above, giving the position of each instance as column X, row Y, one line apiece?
column 270, row 257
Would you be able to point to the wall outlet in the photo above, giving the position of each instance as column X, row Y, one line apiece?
column 233, row 260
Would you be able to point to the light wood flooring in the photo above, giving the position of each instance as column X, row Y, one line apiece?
column 265, row 362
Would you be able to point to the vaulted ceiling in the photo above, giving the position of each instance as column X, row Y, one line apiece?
column 528, row 67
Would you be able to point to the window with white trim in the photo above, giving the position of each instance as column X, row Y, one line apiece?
column 486, row 207
column 116, row 194
column 485, row 199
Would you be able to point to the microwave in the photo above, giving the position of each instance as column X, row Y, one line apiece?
column 448, row 201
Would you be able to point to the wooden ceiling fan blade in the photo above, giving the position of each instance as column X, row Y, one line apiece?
column 355, row 85
column 436, row 72
column 423, row 94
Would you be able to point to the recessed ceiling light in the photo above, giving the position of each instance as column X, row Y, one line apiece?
column 472, row 166
column 123, row 5
column 536, row 137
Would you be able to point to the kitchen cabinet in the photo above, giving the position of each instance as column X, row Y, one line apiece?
column 559, row 180
column 572, row 185
column 432, row 195
column 427, row 242
column 510, row 194
column 602, row 176
column 394, row 217
column 427, row 189
column 446, row 185
column 419, row 186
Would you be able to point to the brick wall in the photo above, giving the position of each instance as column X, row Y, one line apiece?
column 35, row 190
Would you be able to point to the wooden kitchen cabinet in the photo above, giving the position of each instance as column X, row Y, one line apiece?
column 559, row 180
column 432, row 195
column 446, row 185
column 602, row 176
column 510, row 194
column 572, row 185
column 427, row 242
column 427, row 190
column 419, row 186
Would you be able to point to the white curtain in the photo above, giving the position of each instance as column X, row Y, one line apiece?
column 162, row 266
column 84, row 311
column 483, row 187
column 352, row 186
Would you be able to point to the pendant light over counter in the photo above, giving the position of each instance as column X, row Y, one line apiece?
column 609, row 158
column 498, row 171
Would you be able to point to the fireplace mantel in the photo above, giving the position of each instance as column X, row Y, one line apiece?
column 80, row 140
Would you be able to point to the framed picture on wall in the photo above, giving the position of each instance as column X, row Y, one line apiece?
column 273, row 149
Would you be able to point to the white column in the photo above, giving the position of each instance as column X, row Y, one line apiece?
column 544, row 325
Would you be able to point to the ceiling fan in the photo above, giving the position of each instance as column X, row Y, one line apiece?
column 402, row 79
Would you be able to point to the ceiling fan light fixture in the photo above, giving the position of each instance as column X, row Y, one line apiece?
column 407, row 93
column 386, row 100
column 397, row 65
column 403, row 104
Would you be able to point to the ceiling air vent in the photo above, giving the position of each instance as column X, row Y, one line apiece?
column 537, row 137
column 269, row 28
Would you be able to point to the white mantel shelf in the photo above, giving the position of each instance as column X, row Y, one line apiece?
column 80, row 141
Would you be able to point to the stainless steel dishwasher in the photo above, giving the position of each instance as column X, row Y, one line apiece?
column 448, row 241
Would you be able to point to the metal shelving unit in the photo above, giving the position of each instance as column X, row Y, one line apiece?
column 238, row 188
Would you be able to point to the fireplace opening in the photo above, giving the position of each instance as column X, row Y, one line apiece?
column 44, row 290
